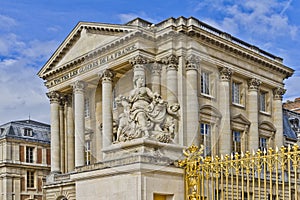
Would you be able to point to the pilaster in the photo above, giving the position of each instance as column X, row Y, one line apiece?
column 70, row 154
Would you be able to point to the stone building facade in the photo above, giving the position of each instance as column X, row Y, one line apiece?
column 292, row 105
column 24, row 159
column 126, row 99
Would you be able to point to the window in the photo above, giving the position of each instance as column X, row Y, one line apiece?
column 236, row 92
column 86, row 107
column 262, row 101
column 28, row 132
column 236, row 142
column 205, row 83
column 29, row 154
column 205, row 138
column 88, row 152
column 30, row 179
column 263, row 143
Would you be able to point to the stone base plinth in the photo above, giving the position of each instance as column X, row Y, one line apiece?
column 145, row 147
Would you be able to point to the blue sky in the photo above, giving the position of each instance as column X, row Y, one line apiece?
column 31, row 30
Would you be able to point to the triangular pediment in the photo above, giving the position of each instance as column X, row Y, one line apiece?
column 240, row 119
column 84, row 39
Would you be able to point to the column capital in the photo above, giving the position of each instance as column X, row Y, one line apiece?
column 138, row 60
column 107, row 75
column 78, row 86
column 68, row 99
column 192, row 62
column 225, row 73
column 254, row 84
column 278, row 93
column 171, row 61
column 54, row 96
column 156, row 68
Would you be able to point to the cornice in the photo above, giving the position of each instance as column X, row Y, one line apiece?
column 75, row 35
column 101, row 50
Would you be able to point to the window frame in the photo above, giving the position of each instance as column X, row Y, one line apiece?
column 234, row 148
column 30, row 179
column 87, row 150
column 236, row 87
column 29, row 154
column 205, row 84
column 206, row 137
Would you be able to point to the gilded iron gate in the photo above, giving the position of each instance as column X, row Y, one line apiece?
column 271, row 174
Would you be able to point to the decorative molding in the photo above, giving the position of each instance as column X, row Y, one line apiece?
column 254, row 84
column 278, row 93
column 171, row 61
column 68, row 99
column 138, row 60
column 192, row 62
column 54, row 96
column 225, row 73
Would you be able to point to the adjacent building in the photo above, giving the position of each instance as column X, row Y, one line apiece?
column 126, row 99
column 24, row 159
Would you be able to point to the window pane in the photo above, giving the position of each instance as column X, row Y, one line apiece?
column 30, row 179
column 262, row 101
column 236, row 92
column 204, row 82
column 236, row 142
column 205, row 138
column 29, row 154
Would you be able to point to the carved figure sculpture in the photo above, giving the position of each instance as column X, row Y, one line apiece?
column 145, row 114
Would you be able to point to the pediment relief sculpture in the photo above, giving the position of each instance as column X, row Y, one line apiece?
column 146, row 114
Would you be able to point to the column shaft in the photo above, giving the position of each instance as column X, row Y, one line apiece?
column 62, row 136
column 55, row 143
column 253, row 114
column 79, row 122
column 278, row 115
column 192, row 107
column 156, row 70
column 172, row 82
column 224, row 138
column 107, row 117
column 70, row 155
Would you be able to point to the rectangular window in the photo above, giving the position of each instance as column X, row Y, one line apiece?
column 262, row 101
column 86, row 107
column 88, row 152
column 236, row 142
column 236, row 93
column 205, row 138
column 30, row 179
column 28, row 132
column 205, row 83
column 29, row 154
column 263, row 143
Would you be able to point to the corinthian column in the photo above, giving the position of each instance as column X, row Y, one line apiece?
column 138, row 63
column 253, row 113
column 70, row 159
column 78, row 88
column 192, row 106
column 107, row 128
column 172, row 84
column 55, row 153
column 277, row 115
column 225, row 141
column 62, row 133
column 156, row 70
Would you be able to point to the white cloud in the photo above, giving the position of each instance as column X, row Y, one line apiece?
column 22, row 92
column 6, row 22
column 292, row 87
